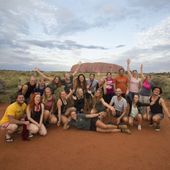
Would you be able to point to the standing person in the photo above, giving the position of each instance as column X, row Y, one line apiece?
column 157, row 108
column 35, row 112
column 14, row 117
column 49, row 107
column 67, row 82
column 92, row 84
column 80, row 82
column 121, row 82
column 134, row 81
column 29, row 88
column 55, row 83
column 120, row 106
column 109, row 87
column 145, row 91
column 40, row 87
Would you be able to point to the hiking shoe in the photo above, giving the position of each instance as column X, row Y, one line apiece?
column 157, row 128
column 139, row 127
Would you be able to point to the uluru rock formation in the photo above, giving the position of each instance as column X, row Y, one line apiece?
column 96, row 67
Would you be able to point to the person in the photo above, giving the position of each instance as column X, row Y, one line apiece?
column 29, row 88
column 92, row 84
column 49, row 107
column 79, row 100
column 90, row 122
column 121, row 82
column 109, row 87
column 35, row 113
column 134, row 82
column 80, row 82
column 99, row 104
column 134, row 112
column 158, row 108
column 120, row 107
column 63, row 107
column 14, row 117
column 40, row 86
column 145, row 91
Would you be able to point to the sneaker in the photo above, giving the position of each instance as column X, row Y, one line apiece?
column 157, row 128
column 31, row 135
column 139, row 127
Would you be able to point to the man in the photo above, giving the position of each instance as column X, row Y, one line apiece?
column 13, row 117
column 157, row 108
column 120, row 106
column 29, row 88
column 121, row 82
column 92, row 84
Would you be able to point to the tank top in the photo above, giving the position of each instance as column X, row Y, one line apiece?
column 63, row 106
column 99, row 106
column 36, row 114
column 79, row 104
column 156, row 107
column 48, row 104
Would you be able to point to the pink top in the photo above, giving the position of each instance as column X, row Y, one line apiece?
column 109, row 85
column 134, row 85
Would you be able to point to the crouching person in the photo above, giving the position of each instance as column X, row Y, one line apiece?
column 14, row 117
column 35, row 111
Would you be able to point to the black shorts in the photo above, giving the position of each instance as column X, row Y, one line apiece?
column 93, row 123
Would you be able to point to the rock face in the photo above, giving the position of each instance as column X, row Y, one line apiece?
column 96, row 67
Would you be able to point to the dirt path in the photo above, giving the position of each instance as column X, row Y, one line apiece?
column 84, row 150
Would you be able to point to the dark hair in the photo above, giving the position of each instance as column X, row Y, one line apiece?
column 108, row 73
column 157, row 87
column 92, row 74
column 19, row 94
column 121, row 69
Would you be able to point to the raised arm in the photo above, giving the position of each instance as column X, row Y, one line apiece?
column 128, row 68
column 42, row 74
column 141, row 72
column 77, row 69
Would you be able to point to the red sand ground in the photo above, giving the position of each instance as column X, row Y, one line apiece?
column 85, row 150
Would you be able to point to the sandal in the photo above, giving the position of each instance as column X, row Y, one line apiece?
column 9, row 139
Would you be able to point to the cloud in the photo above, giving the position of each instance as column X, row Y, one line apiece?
column 120, row 46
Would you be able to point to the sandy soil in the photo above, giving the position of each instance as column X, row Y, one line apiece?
column 85, row 150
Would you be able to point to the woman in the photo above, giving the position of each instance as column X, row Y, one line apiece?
column 49, row 103
column 63, row 107
column 134, row 113
column 99, row 105
column 145, row 91
column 55, row 83
column 40, row 87
column 109, row 87
column 134, row 82
column 80, row 82
column 35, row 112
column 90, row 122
column 79, row 100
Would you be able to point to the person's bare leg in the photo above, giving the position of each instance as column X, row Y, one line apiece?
column 107, row 130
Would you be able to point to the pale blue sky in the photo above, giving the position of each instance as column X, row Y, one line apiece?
column 54, row 35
